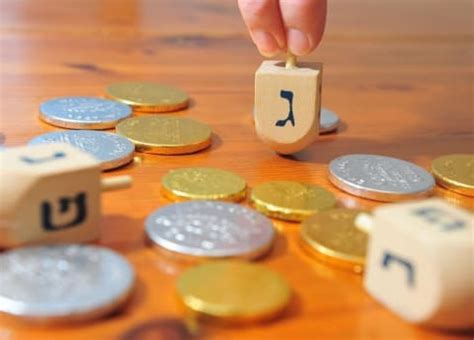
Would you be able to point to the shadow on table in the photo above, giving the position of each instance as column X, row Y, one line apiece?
column 328, row 147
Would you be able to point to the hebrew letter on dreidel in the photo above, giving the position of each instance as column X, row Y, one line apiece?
column 439, row 217
column 55, row 156
column 389, row 258
column 291, row 118
column 77, row 205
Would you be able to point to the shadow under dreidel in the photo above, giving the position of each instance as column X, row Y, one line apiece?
column 408, row 147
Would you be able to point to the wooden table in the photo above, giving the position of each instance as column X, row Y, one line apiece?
column 399, row 73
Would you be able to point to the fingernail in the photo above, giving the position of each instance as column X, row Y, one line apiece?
column 266, row 43
column 298, row 42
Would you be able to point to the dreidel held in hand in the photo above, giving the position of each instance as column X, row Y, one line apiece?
column 50, row 193
column 288, row 104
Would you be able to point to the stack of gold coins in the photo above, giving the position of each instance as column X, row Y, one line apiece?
column 333, row 237
column 455, row 172
column 165, row 134
column 203, row 184
column 233, row 291
column 148, row 97
column 291, row 201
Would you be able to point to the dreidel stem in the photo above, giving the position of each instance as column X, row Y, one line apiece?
column 290, row 60
column 364, row 222
column 115, row 183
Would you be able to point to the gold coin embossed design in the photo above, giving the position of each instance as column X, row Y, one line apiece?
column 455, row 172
column 291, row 201
column 166, row 134
column 233, row 291
column 203, row 184
column 148, row 97
column 333, row 237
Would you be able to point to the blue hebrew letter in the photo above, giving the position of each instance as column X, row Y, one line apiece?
column 288, row 95
column 77, row 205
column 55, row 156
column 440, row 218
column 389, row 258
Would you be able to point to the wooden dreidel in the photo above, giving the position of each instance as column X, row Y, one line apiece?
column 287, row 104
column 50, row 193
column 420, row 262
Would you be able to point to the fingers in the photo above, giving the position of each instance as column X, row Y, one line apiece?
column 304, row 21
column 276, row 25
column 264, row 21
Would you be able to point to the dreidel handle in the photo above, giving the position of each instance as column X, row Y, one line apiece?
column 115, row 183
column 290, row 60
column 365, row 222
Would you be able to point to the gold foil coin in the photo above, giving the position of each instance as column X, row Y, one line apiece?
column 203, row 184
column 455, row 172
column 291, row 201
column 334, row 237
column 233, row 291
column 148, row 97
column 167, row 135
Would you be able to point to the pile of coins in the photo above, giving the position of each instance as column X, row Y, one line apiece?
column 158, row 134
column 207, row 229
column 78, row 282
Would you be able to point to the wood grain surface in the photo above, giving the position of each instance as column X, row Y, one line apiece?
column 398, row 72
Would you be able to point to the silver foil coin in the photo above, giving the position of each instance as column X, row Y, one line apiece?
column 110, row 149
column 380, row 178
column 63, row 283
column 210, row 229
column 84, row 112
column 329, row 121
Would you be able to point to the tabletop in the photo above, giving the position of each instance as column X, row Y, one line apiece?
column 399, row 74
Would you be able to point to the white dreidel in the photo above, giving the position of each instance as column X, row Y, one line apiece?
column 420, row 262
column 50, row 193
column 287, row 104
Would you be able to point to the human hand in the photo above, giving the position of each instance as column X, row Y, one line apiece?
column 280, row 25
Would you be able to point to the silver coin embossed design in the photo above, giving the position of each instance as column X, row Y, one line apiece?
column 63, row 283
column 380, row 178
column 84, row 112
column 210, row 229
column 110, row 149
column 329, row 121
